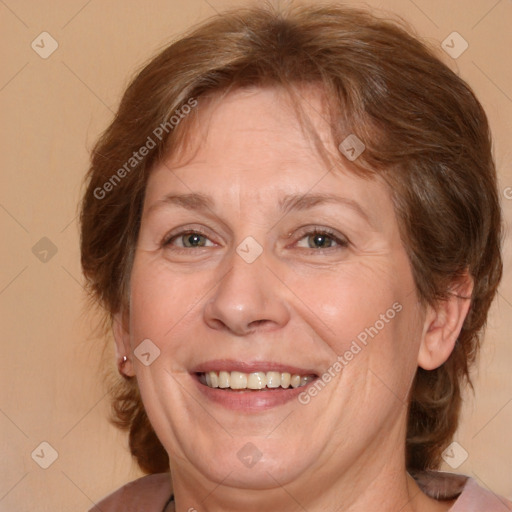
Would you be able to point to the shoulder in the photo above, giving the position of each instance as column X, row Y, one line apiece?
column 470, row 497
column 477, row 499
column 149, row 493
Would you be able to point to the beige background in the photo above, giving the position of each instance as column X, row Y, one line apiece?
column 52, row 110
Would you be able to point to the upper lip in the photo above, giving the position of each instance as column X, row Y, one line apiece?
column 231, row 365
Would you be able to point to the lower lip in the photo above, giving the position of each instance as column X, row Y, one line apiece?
column 250, row 401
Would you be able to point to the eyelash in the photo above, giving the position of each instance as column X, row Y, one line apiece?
column 340, row 242
column 168, row 239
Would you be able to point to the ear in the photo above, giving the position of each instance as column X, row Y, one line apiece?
column 443, row 324
column 121, row 330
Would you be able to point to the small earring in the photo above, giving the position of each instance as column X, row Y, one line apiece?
column 120, row 366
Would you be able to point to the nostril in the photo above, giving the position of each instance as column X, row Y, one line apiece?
column 256, row 323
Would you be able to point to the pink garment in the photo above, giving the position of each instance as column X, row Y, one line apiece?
column 150, row 494
column 471, row 497
column 147, row 494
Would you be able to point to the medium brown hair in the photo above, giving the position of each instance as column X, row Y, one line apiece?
column 425, row 133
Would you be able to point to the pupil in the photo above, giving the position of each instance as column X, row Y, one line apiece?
column 320, row 241
column 194, row 240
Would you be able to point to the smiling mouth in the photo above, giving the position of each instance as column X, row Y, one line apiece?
column 255, row 381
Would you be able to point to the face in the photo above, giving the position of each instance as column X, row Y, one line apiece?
column 258, row 263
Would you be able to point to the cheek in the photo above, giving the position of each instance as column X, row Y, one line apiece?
column 367, row 318
column 349, row 302
column 161, row 302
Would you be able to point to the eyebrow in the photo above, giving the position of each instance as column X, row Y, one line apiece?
column 300, row 202
column 288, row 203
column 191, row 201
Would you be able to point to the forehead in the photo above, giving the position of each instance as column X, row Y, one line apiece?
column 253, row 123
column 250, row 143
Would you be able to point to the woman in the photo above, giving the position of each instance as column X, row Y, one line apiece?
column 294, row 226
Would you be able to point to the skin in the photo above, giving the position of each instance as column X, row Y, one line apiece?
column 295, row 304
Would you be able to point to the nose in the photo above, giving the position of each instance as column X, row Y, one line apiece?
column 249, row 298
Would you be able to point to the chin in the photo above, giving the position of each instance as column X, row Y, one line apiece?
column 246, row 462
column 254, row 463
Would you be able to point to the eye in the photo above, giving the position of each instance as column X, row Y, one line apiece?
column 188, row 240
column 320, row 239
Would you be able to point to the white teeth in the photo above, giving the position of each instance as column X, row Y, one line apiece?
column 295, row 381
column 238, row 380
column 224, row 379
column 255, row 380
column 273, row 379
column 214, row 379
